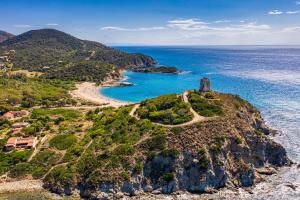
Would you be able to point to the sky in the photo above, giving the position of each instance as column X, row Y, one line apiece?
column 160, row 22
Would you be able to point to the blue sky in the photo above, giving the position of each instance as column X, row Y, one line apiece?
column 160, row 22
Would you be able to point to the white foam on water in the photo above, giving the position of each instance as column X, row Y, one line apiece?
column 274, row 76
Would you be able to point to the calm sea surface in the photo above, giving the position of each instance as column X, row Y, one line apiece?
column 267, row 76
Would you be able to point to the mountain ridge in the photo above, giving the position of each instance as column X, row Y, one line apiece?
column 5, row 35
column 36, row 49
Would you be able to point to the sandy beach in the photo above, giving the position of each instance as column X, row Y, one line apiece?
column 90, row 92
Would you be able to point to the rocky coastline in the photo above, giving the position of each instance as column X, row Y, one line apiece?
column 233, row 151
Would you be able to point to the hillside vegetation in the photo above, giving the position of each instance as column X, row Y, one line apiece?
column 91, row 71
column 206, row 104
column 19, row 89
column 108, row 148
column 42, row 48
column 166, row 109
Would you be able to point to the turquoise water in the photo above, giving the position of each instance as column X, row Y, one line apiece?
column 268, row 77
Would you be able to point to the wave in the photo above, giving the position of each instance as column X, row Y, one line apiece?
column 274, row 76
column 185, row 72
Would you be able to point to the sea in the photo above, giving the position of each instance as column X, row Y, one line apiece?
column 266, row 76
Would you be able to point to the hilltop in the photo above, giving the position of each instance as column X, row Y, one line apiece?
column 4, row 36
column 48, row 47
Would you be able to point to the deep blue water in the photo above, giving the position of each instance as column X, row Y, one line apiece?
column 268, row 77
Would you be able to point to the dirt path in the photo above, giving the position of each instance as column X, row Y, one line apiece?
column 93, row 53
column 87, row 146
column 196, row 117
column 135, row 107
column 47, row 137
column 144, row 138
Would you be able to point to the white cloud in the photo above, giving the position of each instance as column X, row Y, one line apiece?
column 292, row 12
column 298, row 2
column 275, row 12
column 112, row 28
column 187, row 24
column 52, row 24
column 222, row 21
column 22, row 26
column 291, row 29
column 116, row 28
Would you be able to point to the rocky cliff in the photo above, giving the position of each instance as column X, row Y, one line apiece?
column 232, row 150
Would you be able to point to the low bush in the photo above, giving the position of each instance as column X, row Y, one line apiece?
column 204, row 107
column 176, row 130
column 218, row 143
column 63, row 141
column 7, row 160
column 173, row 153
column 60, row 176
column 125, row 176
column 203, row 158
column 157, row 142
column 168, row 177
column 166, row 109
column 20, row 170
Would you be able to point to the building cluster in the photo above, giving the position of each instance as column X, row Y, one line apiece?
column 17, row 127
column 15, row 114
column 20, row 142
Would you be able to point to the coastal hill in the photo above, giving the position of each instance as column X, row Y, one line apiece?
column 50, row 50
column 110, row 152
column 4, row 36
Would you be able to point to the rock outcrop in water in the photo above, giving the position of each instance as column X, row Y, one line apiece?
column 232, row 150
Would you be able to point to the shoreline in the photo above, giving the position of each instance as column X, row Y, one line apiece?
column 90, row 92
column 22, row 185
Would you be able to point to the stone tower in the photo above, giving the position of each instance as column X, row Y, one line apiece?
column 204, row 85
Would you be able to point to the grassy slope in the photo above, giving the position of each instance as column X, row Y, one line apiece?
column 19, row 89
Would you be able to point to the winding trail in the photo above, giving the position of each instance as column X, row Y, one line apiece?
column 196, row 117
column 38, row 149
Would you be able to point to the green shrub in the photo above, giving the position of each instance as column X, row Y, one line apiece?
column 124, row 150
column 20, row 170
column 138, row 168
column 258, row 132
column 73, row 153
column 176, row 130
column 168, row 177
column 125, row 176
column 209, row 95
column 7, row 160
column 39, row 172
column 218, row 143
column 173, row 153
column 157, row 142
column 238, row 139
column 166, row 109
column 204, row 107
column 60, row 176
column 45, row 158
column 203, row 158
column 63, row 141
